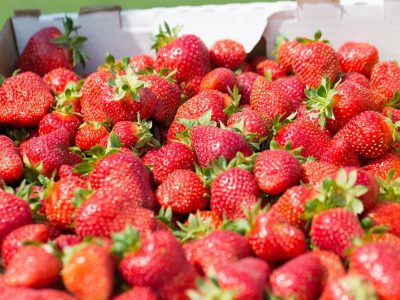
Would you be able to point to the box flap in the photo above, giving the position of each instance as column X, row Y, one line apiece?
column 8, row 50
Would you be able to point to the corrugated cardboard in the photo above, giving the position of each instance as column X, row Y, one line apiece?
column 129, row 32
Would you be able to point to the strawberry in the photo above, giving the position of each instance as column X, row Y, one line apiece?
column 90, row 134
column 25, row 100
column 269, row 100
column 341, row 154
column 334, row 229
column 21, row 293
column 220, row 247
column 304, row 134
column 286, row 51
column 86, row 265
column 331, row 264
column 15, row 239
column 385, row 79
column 358, row 78
column 210, row 143
column 167, row 97
column 14, row 212
column 208, row 216
column 386, row 213
column 220, row 79
column 380, row 167
column 378, row 256
column 273, row 239
column 245, row 84
column 66, row 240
column 183, row 191
column 114, row 209
column 293, row 88
column 350, row 287
column 60, row 201
column 299, row 278
column 60, row 119
column 47, row 153
column 137, row 293
column 140, row 62
column 276, row 171
column 270, row 69
column 227, row 54
column 291, row 204
column 32, row 266
column 58, row 79
column 304, row 114
column 50, row 49
column 231, row 191
column 357, row 57
column 315, row 60
column 393, row 112
column 69, row 99
column 313, row 172
column 369, row 133
column 187, row 54
column 11, row 166
column 172, row 157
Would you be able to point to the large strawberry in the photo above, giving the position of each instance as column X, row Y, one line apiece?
column 24, row 99
column 332, row 265
column 228, row 54
column 49, row 49
column 385, row 79
column 286, row 51
column 313, row 172
column 293, row 88
column 20, row 293
column 386, row 213
column 11, row 166
column 63, row 118
column 380, row 167
column 341, row 154
column 357, row 57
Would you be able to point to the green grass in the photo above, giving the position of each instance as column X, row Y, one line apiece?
column 7, row 7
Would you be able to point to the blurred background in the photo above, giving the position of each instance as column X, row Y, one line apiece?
column 7, row 7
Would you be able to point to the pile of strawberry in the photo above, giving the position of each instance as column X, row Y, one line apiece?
column 200, row 173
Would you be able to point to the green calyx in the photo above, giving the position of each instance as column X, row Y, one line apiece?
column 125, row 241
column 146, row 139
column 288, row 147
column 279, row 122
column 389, row 188
column 164, row 73
column 279, row 41
column 113, row 66
column 72, row 91
column 195, row 228
column 80, row 196
column 72, row 41
column 339, row 192
column 165, row 216
column 317, row 38
column 394, row 127
column 395, row 101
column 233, row 107
column 358, row 288
column 253, row 139
column 165, row 36
column 320, row 101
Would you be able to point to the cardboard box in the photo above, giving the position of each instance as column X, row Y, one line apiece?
column 126, row 33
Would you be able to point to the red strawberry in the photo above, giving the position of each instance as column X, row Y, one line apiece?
column 231, row 191
column 20, row 293
column 276, row 171
column 369, row 133
column 66, row 240
column 273, row 239
column 349, row 287
column 90, row 134
column 32, row 266
column 11, row 166
column 24, row 99
column 49, row 49
column 269, row 100
column 245, row 84
column 271, row 69
column 293, row 88
column 220, row 247
column 15, row 239
column 393, row 112
column 168, row 97
column 380, row 264
column 341, row 154
column 58, row 79
column 183, row 191
column 291, row 204
column 59, row 204
column 334, row 229
column 332, row 265
column 137, row 293
column 385, row 79
column 220, row 79
column 313, row 172
column 303, row 134
column 304, row 114
column 286, row 52
column 314, row 61
column 386, row 213
column 113, row 210
column 14, row 212
column 299, row 278
column 358, row 78
column 228, row 54
column 86, row 265
column 140, row 62
column 210, row 143
column 60, row 119
column 380, row 167
column 357, row 57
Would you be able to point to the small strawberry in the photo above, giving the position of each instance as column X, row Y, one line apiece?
column 357, row 57
column 24, row 99
column 50, row 49
column 358, row 78
column 341, row 154
column 220, row 79
column 366, row 259
column 276, row 171
column 84, row 265
column 385, row 79
column 58, row 79
column 90, row 134
column 32, row 266
column 66, row 240
column 270, row 69
column 228, row 54
column 286, row 51
column 137, row 293
column 245, row 84
column 183, row 191
column 299, row 278
column 140, row 62
column 11, row 166
column 332, row 265
column 293, row 88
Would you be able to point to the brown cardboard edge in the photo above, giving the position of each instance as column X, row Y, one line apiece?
column 27, row 12
column 8, row 48
column 95, row 9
